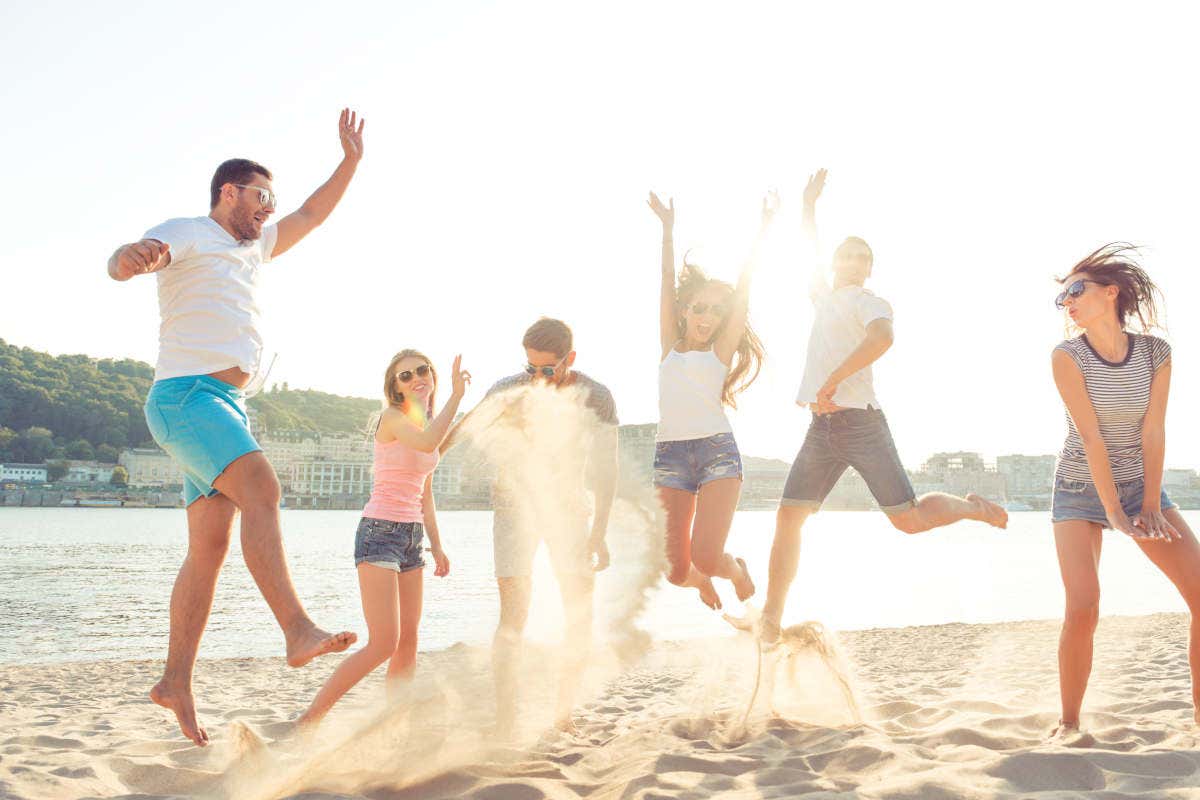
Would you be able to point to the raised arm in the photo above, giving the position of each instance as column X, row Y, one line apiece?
column 432, row 435
column 1154, row 444
column 1071, row 386
column 668, row 320
column 735, row 323
column 808, row 225
column 320, row 204
column 138, row 258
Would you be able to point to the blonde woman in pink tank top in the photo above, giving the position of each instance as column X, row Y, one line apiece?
column 390, row 539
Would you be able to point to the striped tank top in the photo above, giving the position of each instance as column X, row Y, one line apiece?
column 1120, row 394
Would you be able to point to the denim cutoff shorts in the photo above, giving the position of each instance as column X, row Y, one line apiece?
column 1075, row 499
column 392, row 545
column 688, row 464
column 853, row 437
column 201, row 423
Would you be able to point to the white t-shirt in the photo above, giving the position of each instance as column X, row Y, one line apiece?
column 206, row 298
column 840, row 325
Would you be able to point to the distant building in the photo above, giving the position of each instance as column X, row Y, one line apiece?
column 636, row 453
column 23, row 473
column 762, row 481
column 1179, row 478
column 960, row 473
column 1027, row 475
column 330, row 478
column 149, row 466
column 85, row 472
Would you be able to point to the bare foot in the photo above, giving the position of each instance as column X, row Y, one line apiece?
column 566, row 725
column 768, row 629
column 743, row 585
column 708, row 593
column 1069, row 735
column 180, row 701
column 989, row 512
column 316, row 642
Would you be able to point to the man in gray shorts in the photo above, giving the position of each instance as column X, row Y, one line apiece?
column 540, row 494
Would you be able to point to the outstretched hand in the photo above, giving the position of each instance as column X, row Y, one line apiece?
column 350, row 131
column 459, row 378
column 665, row 214
column 140, row 257
column 816, row 183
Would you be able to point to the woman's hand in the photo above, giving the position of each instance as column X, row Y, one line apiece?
column 665, row 214
column 1119, row 521
column 816, row 183
column 1155, row 526
column 459, row 378
column 441, row 564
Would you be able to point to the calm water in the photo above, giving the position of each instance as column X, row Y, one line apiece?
column 82, row 584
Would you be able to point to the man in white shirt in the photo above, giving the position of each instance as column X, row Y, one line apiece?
column 209, row 348
column 851, row 330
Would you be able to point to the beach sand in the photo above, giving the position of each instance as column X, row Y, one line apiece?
column 951, row 711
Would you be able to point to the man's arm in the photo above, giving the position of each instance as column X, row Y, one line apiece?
column 301, row 222
column 877, row 342
column 604, row 455
column 739, row 306
column 138, row 258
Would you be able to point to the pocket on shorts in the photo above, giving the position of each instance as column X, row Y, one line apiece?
column 156, row 423
column 1071, row 486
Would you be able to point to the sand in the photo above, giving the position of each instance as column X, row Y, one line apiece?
column 952, row 711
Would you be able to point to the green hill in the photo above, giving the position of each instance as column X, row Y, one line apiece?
column 75, row 406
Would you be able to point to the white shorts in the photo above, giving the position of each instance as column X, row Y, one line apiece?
column 514, row 545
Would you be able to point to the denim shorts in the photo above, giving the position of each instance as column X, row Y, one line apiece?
column 201, row 423
column 688, row 464
column 853, row 437
column 392, row 545
column 1079, row 500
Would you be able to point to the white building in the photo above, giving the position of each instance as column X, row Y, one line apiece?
column 326, row 478
column 23, row 473
column 149, row 466
column 1178, row 478
column 89, row 472
column 1027, row 474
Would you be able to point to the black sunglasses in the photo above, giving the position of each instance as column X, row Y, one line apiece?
column 547, row 372
column 716, row 308
column 406, row 376
column 1074, row 290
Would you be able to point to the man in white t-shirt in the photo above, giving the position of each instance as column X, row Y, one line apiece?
column 209, row 349
column 851, row 330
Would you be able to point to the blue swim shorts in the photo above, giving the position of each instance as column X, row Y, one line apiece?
column 688, row 464
column 201, row 423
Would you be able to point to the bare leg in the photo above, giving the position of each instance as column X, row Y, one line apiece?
column 680, row 507
column 1078, row 545
column 1180, row 561
column 403, row 664
column 210, row 523
column 785, row 559
column 377, row 585
column 577, row 591
column 251, row 484
column 715, row 505
column 506, row 649
column 937, row 509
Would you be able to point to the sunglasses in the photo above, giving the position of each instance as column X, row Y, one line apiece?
column 265, row 196
column 546, row 372
column 406, row 376
column 701, row 308
column 1074, row 290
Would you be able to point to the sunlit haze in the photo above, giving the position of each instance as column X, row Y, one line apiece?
column 510, row 148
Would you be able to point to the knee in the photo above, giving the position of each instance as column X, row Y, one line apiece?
column 381, row 645
column 789, row 520
column 908, row 522
column 678, row 572
column 1083, row 613
column 211, row 548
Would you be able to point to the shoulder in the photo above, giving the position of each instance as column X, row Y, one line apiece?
column 511, row 382
column 1160, row 349
column 600, row 399
column 1074, row 349
column 174, row 227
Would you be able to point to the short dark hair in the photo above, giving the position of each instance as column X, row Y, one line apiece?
column 549, row 336
column 235, row 170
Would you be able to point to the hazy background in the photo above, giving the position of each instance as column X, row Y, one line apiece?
column 510, row 147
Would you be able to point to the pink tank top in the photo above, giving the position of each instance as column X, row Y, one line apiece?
column 400, row 474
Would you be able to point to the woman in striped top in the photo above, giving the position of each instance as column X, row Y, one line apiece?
column 1114, row 383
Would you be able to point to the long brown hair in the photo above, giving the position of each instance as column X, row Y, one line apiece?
column 1115, row 264
column 747, row 360
column 391, row 392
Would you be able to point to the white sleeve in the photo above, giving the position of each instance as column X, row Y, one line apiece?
column 270, row 236
column 871, row 308
column 180, row 234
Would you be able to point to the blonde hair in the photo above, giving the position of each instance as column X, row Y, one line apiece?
column 393, row 397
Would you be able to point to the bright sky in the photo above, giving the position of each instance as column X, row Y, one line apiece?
column 510, row 147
